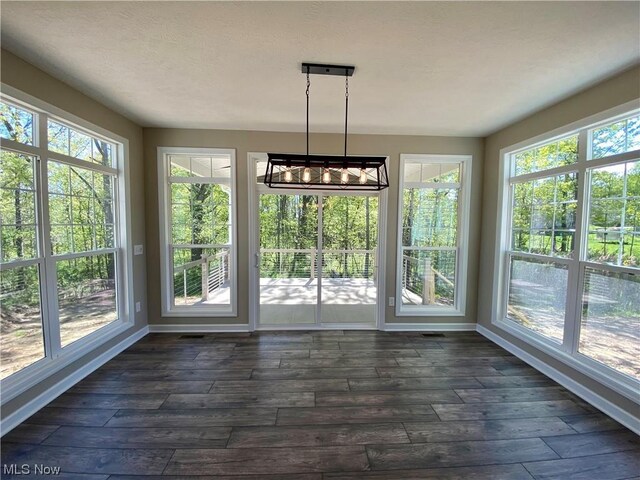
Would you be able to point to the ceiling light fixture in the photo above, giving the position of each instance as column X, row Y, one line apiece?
column 326, row 172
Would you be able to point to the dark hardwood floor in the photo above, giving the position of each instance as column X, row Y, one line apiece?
column 322, row 405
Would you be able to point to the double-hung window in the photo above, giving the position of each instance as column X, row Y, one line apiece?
column 198, row 236
column 63, row 268
column 432, row 234
column 571, row 247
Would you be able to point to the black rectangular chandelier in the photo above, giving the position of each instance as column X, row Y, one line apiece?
column 326, row 172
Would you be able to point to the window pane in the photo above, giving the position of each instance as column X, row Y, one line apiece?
column 537, row 296
column 58, row 136
column 20, row 319
column 86, row 295
column 201, row 276
column 81, row 209
column 428, row 277
column 555, row 154
column 18, row 225
column 430, row 217
column 610, row 328
column 200, row 213
column 69, row 141
column 432, row 172
column 216, row 166
column 544, row 215
column 619, row 137
column 614, row 215
column 16, row 124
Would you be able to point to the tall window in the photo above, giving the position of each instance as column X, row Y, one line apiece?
column 572, row 245
column 434, row 206
column 61, row 248
column 198, row 243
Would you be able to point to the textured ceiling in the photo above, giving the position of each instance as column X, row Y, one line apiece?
column 438, row 68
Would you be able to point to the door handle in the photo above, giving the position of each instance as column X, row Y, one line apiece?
column 257, row 265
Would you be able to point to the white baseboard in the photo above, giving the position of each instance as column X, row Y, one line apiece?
column 588, row 395
column 430, row 327
column 196, row 328
column 16, row 418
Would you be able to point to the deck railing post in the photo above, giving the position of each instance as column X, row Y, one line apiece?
column 205, row 278
column 428, row 284
column 313, row 263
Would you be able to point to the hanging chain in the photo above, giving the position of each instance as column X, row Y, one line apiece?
column 346, row 114
column 308, row 85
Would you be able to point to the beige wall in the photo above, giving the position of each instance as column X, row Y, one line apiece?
column 615, row 91
column 25, row 77
column 251, row 141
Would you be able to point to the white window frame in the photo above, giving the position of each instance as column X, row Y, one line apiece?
column 57, row 357
column 462, row 249
column 567, row 352
column 166, row 259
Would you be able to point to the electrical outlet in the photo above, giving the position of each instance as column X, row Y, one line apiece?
column 138, row 307
column 392, row 301
column 138, row 250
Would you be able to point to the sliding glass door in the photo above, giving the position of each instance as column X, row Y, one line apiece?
column 317, row 259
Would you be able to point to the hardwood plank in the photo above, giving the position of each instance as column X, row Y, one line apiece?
column 89, row 460
column 160, row 356
column 364, row 353
column 370, row 414
column 466, row 352
column 470, row 371
column 612, row 466
column 257, row 362
column 266, row 354
column 142, row 364
column 338, row 362
column 243, row 461
column 597, row 443
column 61, row 476
column 88, row 400
column 511, row 394
column 260, row 386
column 235, row 400
column 26, row 433
column 490, row 472
column 328, row 399
column 81, row 417
column 317, row 435
column 425, row 455
column 312, row 373
column 386, row 345
column 521, row 370
column 142, row 386
column 452, row 431
column 480, row 411
column 592, row 422
column 515, row 381
column 188, row 375
column 288, row 346
column 455, row 362
column 380, row 384
column 177, row 437
column 194, row 418
column 295, row 476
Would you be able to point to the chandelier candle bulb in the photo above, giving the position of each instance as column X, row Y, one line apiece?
column 287, row 175
column 363, row 176
column 345, row 175
column 306, row 175
column 326, row 176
